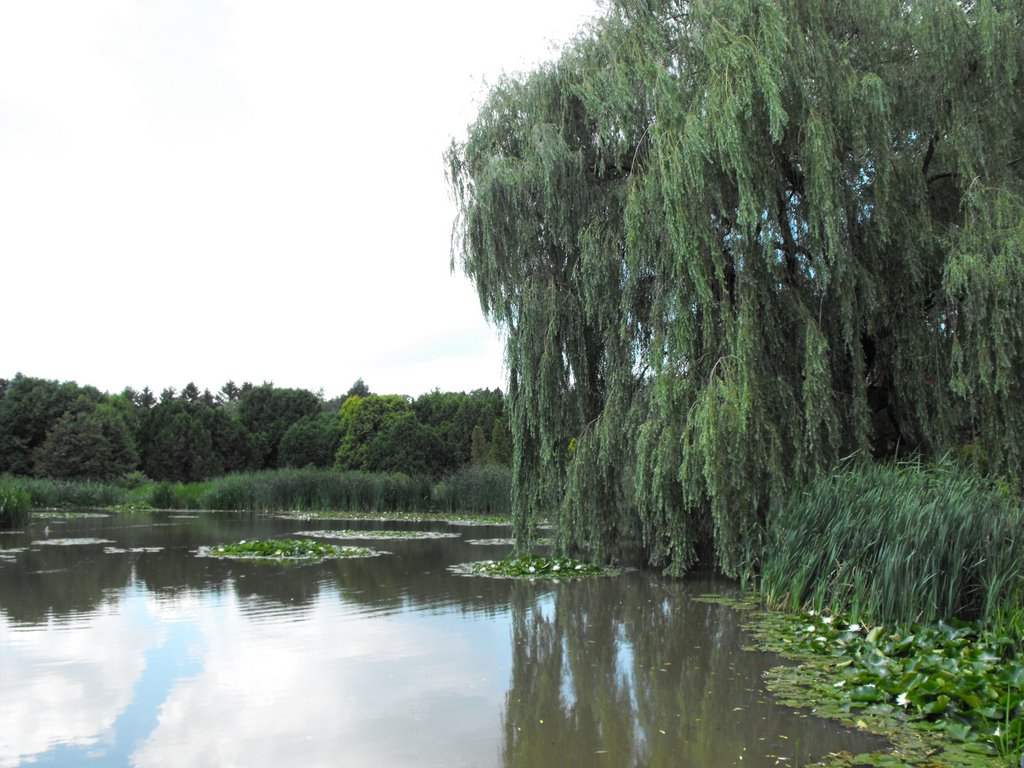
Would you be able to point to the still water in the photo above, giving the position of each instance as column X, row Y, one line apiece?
column 120, row 647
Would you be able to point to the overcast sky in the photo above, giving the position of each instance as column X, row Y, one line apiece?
column 204, row 190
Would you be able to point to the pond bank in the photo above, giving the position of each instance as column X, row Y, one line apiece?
column 944, row 695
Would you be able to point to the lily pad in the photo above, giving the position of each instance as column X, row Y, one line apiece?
column 53, row 514
column 491, row 542
column 69, row 542
column 534, row 568
column 285, row 550
column 351, row 534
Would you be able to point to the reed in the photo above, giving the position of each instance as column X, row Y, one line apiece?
column 898, row 544
column 14, row 506
column 480, row 490
column 49, row 493
column 319, row 490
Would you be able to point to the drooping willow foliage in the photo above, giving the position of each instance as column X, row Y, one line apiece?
column 733, row 241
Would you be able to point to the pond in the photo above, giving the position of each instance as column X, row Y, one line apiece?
column 120, row 646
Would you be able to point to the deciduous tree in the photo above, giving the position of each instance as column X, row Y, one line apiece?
column 731, row 241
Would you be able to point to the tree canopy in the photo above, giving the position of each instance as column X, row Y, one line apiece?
column 733, row 241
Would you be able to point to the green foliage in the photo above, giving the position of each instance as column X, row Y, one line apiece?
column 310, row 490
column 453, row 416
column 359, row 389
column 49, row 493
column 405, row 445
column 177, row 444
column 28, row 411
column 478, row 447
column 89, row 441
column 897, row 544
column 538, row 567
column 312, row 441
column 169, row 495
column 360, row 420
column 267, row 412
column 15, row 505
column 962, row 682
column 287, row 549
column 733, row 241
column 482, row 490
column 499, row 449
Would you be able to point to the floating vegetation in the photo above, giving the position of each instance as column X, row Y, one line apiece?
column 351, row 534
column 131, row 550
column 383, row 517
column 491, row 542
column 946, row 687
column 534, row 567
column 69, row 542
column 59, row 515
column 406, row 517
column 286, row 549
column 478, row 520
column 505, row 542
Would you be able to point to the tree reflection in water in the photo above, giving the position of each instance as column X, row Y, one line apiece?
column 633, row 671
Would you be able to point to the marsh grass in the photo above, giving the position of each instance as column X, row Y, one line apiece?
column 898, row 544
column 14, row 506
column 481, row 490
column 56, row 494
column 318, row 490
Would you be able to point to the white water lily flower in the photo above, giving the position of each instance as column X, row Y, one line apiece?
column 854, row 628
column 902, row 699
column 812, row 612
column 840, row 684
column 555, row 568
column 827, row 619
column 579, row 567
column 532, row 569
column 810, row 628
column 821, row 638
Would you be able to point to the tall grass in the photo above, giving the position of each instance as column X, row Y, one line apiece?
column 319, row 490
column 51, row 493
column 477, row 490
column 481, row 490
column 14, row 506
column 898, row 544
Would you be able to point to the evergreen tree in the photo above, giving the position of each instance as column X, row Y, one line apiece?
column 732, row 241
column 89, row 441
column 478, row 447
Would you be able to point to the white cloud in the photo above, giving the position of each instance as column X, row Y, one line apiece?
column 332, row 681
column 66, row 684
column 244, row 189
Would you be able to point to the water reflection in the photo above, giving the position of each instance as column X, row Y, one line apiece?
column 634, row 671
column 159, row 657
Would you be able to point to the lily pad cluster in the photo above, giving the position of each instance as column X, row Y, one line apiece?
column 536, row 567
column 286, row 549
column 352, row 534
column 959, row 680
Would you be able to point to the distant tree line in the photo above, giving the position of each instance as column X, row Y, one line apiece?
column 63, row 430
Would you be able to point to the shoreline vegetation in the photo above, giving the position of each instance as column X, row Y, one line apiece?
column 472, row 491
column 945, row 695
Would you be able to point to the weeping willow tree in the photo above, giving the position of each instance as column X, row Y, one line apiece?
column 733, row 241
